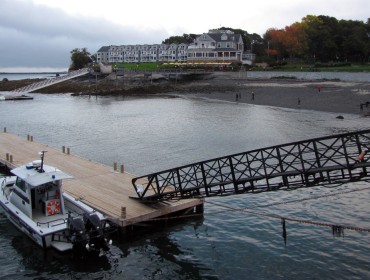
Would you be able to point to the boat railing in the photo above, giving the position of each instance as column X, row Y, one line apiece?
column 52, row 223
column 3, row 184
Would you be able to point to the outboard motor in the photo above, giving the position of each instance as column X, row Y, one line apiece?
column 92, row 222
column 77, row 234
column 94, row 229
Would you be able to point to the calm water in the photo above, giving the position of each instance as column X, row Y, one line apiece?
column 158, row 133
column 21, row 76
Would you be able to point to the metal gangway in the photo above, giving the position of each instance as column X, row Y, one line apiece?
column 327, row 160
column 52, row 81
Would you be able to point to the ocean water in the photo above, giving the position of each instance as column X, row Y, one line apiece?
column 22, row 76
column 153, row 134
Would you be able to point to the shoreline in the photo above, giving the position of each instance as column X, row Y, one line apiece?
column 320, row 95
column 335, row 97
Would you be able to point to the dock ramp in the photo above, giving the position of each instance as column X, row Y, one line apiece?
column 52, row 81
column 328, row 160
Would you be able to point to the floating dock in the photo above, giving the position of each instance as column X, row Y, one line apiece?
column 100, row 186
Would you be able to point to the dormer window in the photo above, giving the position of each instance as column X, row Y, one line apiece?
column 224, row 37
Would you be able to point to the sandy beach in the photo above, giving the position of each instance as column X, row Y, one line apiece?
column 322, row 95
column 329, row 96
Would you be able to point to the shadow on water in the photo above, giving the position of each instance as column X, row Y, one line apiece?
column 160, row 254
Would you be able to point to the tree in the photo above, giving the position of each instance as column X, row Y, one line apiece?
column 355, row 40
column 322, row 35
column 274, row 38
column 185, row 38
column 294, row 40
column 80, row 58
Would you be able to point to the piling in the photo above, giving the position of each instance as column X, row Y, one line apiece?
column 63, row 149
column 115, row 166
column 123, row 212
column 4, row 129
column 68, row 151
column 122, row 169
column 7, row 156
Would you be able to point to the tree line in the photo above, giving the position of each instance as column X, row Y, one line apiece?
column 314, row 39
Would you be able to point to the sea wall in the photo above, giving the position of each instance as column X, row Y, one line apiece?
column 343, row 76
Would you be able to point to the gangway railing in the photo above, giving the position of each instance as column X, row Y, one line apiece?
column 327, row 160
column 52, row 81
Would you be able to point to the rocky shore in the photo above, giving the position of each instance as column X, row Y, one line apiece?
column 323, row 95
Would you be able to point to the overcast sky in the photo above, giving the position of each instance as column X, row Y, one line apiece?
column 39, row 34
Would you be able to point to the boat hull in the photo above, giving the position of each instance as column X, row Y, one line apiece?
column 26, row 229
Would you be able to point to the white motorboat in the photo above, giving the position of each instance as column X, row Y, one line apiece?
column 35, row 203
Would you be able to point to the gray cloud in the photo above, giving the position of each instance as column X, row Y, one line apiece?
column 34, row 35
column 39, row 36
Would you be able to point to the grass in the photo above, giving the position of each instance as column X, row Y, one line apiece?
column 143, row 66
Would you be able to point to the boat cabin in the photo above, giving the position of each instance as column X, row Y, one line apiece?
column 37, row 191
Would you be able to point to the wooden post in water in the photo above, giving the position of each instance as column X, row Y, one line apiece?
column 115, row 166
column 31, row 138
column 63, row 149
column 7, row 156
column 122, row 169
column 68, row 151
column 11, row 158
column 4, row 129
column 28, row 137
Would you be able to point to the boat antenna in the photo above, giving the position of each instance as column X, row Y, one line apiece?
column 42, row 154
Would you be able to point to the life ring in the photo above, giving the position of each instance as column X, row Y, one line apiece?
column 53, row 207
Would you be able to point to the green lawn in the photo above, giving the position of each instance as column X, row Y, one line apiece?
column 150, row 66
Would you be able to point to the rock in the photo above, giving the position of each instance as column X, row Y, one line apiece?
column 340, row 117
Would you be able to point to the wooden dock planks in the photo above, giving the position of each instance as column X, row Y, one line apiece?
column 96, row 184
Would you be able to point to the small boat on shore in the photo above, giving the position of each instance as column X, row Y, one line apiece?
column 15, row 98
column 35, row 203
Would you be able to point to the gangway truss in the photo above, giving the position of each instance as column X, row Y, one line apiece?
column 327, row 160
column 48, row 82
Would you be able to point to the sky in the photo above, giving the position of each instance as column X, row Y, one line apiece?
column 38, row 35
